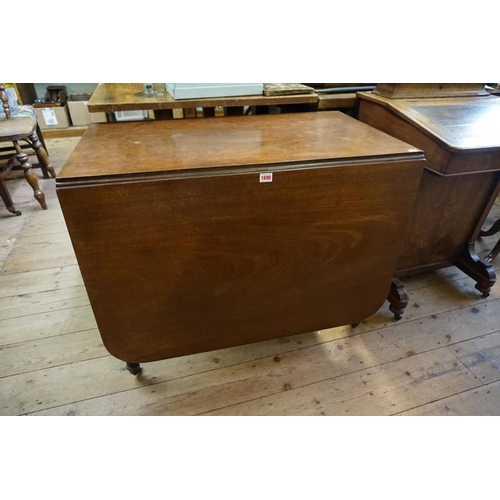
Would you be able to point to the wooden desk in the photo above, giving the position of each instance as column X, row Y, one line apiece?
column 110, row 97
column 460, row 137
column 199, row 235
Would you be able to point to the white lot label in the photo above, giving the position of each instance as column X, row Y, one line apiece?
column 49, row 115
column 266, row 177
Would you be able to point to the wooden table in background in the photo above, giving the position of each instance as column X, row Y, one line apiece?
column 110, row 97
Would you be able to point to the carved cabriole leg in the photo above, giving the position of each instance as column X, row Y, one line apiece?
column 30, row 176
column 5, row 195
column 494, row 253
column 133, row 368
column 478, row 269
column 398, row 298
column 494, row 229
column 42, row 156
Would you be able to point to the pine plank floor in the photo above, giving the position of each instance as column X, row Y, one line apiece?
column 442, row 358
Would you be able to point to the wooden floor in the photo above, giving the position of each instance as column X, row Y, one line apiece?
column 442, row 358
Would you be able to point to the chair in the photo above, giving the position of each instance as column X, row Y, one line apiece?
column 20, row 125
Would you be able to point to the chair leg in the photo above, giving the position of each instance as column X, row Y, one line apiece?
column 42, row 156
column 30, row 176
column 5, row 195
column 8, row 168
column 40, row 135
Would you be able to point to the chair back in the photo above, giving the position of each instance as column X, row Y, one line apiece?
column 5, row 100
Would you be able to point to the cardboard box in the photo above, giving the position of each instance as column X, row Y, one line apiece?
column 130, row 116
column 79, row 112
column 203, row 90
column 77, row 105
column 98, row 117
column 52, row 116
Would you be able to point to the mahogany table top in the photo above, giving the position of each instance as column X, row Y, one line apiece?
column 153, row 147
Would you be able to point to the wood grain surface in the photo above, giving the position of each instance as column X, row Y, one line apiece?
column 456, row 124
column 458, row 186
column 177, row 265
column 271, row 89
column 429, row 90
column 121, row 97
column 461, row 141
column 337, row 101
column 446, row 217
column 117, row 149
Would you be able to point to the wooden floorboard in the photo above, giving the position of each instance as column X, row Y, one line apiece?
column 380, row 390
column 192, row 386
column 39, row 281
column 480, row 401
column 46, row 324
column 442, row 358
column 59, row 350
column 39, row 302
column 481, row 355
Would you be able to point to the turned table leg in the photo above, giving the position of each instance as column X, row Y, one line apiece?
column 30, row 176
column 398, row 298
column 133, row 368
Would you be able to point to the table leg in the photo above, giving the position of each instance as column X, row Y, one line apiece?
column 133, row 368
column 494, row 253
column 233, row 111
column 261, row 110
column 163, row 114
column 189, row 112
column 398, row 298
column 208, row 112
column 492, row 230
column 478, row 269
